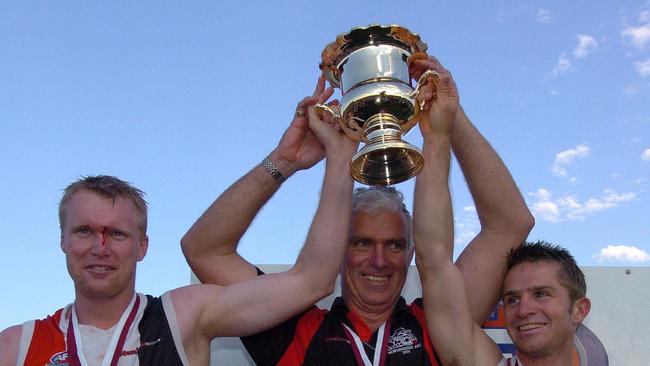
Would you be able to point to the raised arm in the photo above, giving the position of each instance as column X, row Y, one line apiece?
column 208, row 311
column 457, row 339
column 210, row 246
column 505, row 219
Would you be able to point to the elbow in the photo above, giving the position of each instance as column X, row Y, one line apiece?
column 319, row 285
column 526, row 224
column 520, row 228
column 188, row 249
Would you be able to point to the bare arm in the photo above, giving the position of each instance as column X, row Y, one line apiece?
column 505, row 219
column 208, row 311
column 457, row 339
column 210, row 246
column 9, row 340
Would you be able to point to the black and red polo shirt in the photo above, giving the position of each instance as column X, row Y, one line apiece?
column 317, row 337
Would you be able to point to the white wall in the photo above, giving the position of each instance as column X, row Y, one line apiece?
column 620, row 314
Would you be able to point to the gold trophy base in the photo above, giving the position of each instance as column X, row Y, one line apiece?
column 386, row 159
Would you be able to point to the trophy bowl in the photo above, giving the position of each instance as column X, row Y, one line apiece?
column 370, row 65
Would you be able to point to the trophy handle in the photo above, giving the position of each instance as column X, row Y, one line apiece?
column 322, row 109
column 428, row 76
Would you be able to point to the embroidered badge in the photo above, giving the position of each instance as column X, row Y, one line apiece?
column 403, row 340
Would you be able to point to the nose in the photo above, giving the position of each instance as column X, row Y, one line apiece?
column 526, row 307
column 378, row 258
column 102, row 244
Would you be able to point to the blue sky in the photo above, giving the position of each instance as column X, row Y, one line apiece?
column 182, row 98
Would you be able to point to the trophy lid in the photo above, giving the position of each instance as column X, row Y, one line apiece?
column 359, row 37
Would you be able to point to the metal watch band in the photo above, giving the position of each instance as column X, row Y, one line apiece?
column 273, row 170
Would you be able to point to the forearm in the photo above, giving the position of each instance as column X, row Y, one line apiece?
column 446, row 308
column 498, row 201
column 321, row 257
column 210, row 246
column 432, row 215
column 505, row 219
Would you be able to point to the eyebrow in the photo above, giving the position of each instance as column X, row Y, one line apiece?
column 529, row 289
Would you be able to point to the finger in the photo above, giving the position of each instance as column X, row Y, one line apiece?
column 301, row 108
column 325, row 95
column 320, row 86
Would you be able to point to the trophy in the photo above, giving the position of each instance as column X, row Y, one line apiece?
column 370, row 65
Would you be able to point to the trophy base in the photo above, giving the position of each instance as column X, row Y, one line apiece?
column 386, row 163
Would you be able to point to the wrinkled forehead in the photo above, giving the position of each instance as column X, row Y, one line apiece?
column 379, row 221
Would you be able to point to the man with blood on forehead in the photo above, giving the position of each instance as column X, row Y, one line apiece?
column 103, row 236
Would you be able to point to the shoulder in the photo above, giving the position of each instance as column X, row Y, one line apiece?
column 9, row 341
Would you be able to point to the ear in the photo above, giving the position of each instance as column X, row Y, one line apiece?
column 142, row 249
column 62, row 245
column 411, row 253
column 580, row 309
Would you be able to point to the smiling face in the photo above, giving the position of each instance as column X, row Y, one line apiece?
column 376, row 261
column 540, row 317
column 102, row 240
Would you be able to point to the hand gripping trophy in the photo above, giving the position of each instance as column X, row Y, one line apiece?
column 371, row 67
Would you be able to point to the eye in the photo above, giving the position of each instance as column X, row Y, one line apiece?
column 511, row 300
column 396, row 246
column 361, row 243
column 82, row 230
column 541, row 294
column 117, row 234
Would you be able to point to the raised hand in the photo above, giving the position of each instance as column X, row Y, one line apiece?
column 328, row 131
column 299, row 149
column 440, row 102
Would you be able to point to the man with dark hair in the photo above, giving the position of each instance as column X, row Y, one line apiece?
column 103, row 235
column 544, row 296
column 371, row 321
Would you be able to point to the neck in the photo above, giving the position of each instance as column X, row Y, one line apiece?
column 372, row 317
column 101, row 313
column 562, row 358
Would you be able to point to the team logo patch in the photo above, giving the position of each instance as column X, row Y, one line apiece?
column 59, row 359
column 403, row 340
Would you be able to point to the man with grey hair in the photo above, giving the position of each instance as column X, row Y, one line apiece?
column 370, row 321
column 103, row 236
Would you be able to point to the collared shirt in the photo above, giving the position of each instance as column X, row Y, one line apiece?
column 317, row 337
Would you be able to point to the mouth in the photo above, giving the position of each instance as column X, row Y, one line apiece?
column 530, row 326
column 375, row 278
column 100, row 269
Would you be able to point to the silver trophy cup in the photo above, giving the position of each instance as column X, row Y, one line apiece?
column 371, row 67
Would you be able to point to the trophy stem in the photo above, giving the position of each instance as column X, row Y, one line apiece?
column 382, row 127
column 385, row 159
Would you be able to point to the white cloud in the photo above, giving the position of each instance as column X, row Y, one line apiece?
column 586, row 43
column 639, row 35
column 645, row 156
column 565, row 158
column 563, row 65
column 466, row 226
column 643, row 67
column 611, row 199
column 623, row 253
column 544, row 208
column 543, row 16
column 569, row 207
